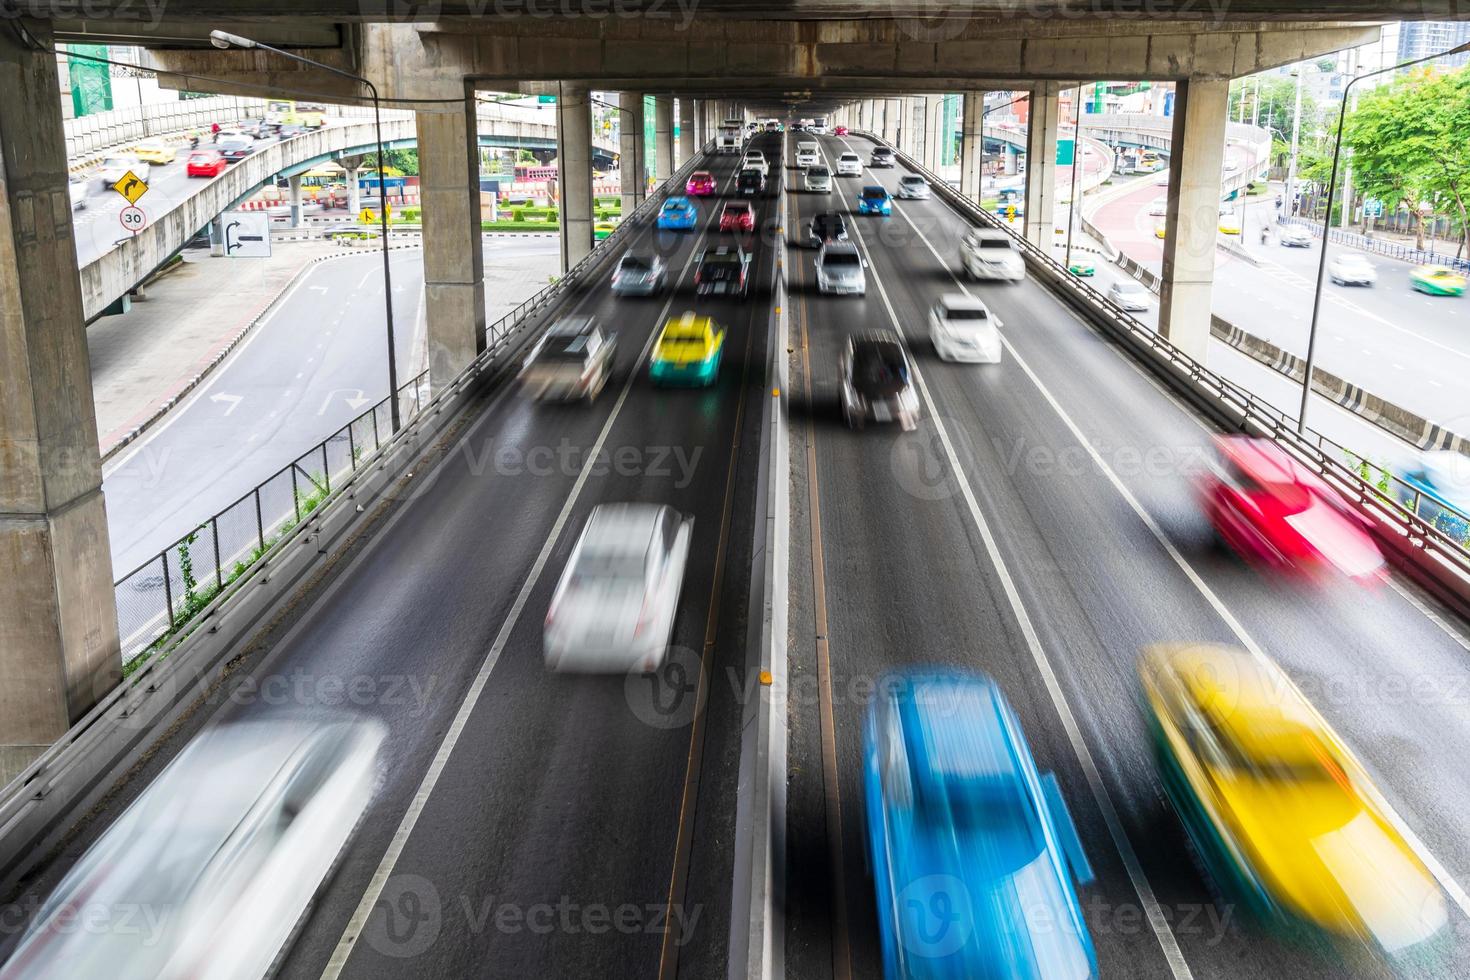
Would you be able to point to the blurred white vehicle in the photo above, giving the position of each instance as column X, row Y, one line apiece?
column 79, row 190
column 1350, row 269
column 756, row 160
column 807, row 154
column 113, row 168
column 1130, row 294
column 962, row 329
column 912, row 187
column 989, row 253
column 215, row 863
column 1295, row 236
column 817, row 179
column 613, row 610
column 1159, row 207
column 849, row 164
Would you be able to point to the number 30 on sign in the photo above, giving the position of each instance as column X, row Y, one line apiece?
column 132, row 218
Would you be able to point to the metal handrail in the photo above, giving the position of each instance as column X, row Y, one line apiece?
column 1388, row 249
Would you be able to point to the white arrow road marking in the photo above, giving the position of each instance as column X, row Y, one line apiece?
column 354, row 398
column 234, row 400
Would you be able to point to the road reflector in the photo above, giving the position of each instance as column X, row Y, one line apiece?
column 766, row 678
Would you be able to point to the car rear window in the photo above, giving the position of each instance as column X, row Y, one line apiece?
column 880, row 369
column 995, row 243
column 840, row 258
column 635, row 263
column 818, row 172
column 963, row 313
column 875, row 194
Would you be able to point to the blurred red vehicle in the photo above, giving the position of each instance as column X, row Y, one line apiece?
column 205, row 163
column 1275, row 512
column 840, row 131
column 737, row 216
column 701, row 183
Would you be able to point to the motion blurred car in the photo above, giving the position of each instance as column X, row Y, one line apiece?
column 817, row 180
column 882, row 156
column 807, row 154
column 1082, row 267
column 1130, row 294
column 155, row 152
column 572, row 361
column 1295, row 236
column 989, row 253
column 1351, row 269
column 874, row 200
column 877, row 382
column 218, row 858
column 639, row 275
column 829, row 226
column 840, row 131
column 1274, row 512
column 1159, row 207
column 737, row 216
column 849, row 164
column 841, row 270
column 205, row 163
column 115, row 167
column 701, row 183
column 1436, row 280
column 750, row 183
column 1437, row 488
column 677, row 214
column 722, row 271
column 1281, row 814
column 78, row 190
column 756, row 160
column 975, row 857
column 1230, row 223
column 1159, row 230
column 688, row 351
column 614, row 608
column 602, row 230
column 912, row 187
column 773, row 126
column 961, row 328
column 236, row 147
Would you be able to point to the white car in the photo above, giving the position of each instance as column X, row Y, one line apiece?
column 1130, row 294
column 1158, row 207
column 1295, row 236
column 817, row 179
column 225, row 851
column 849, row 165
column 613, row 610
column 961, row 328
column 912, row 187
column 113, row 168
column 1350, row 269
column 78, row 189
column 756, row 160
column 988, row 253
column 840, row 270
column 807, row 154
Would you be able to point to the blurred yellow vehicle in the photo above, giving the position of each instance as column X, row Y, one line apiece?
column 1277, row 808
column 155, row 151
column 1230, row 224
column 1159, row 230
column 688, row 351
column 1436, row 280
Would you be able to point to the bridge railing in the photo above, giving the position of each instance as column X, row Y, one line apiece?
column 1388, row 249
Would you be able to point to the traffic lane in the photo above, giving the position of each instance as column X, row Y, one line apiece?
column 575, row 782
column 1311, row 633
column 316, row 364
column 909, row 582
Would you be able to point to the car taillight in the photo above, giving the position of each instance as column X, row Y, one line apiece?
column 644, row 617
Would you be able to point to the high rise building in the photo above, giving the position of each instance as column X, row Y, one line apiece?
column 1418, row 39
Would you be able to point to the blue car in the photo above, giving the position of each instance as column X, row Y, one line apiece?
column 973, row 853
column 1442, row 479
column 678, row 214
column 874, row 200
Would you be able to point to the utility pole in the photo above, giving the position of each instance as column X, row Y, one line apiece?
column 1288, row 200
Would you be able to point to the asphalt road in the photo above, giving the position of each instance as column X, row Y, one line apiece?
column 569, row 814
column 1399, row 344
column 1039, row 526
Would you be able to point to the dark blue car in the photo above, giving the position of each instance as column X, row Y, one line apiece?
column 974, row 854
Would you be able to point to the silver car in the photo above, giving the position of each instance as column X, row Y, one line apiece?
column 1351, row 269
column 912, row 187
column 1295, row 236
column 215, row 863
column 113, row 169
column 639, row 275
column 1130, row 295
column 613, row 610
column 818, row 180
column 840, row 269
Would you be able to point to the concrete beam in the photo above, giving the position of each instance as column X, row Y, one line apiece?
column 574, row 174
column 454, row 260
column 1041, row 164
column 1191, row 225
column 59, row 650
column 663, row 137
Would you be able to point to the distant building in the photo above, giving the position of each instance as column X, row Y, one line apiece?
column 1419, row 39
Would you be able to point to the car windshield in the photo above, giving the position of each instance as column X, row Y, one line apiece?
column 997, row 244
column 635, row 263
column 965, row 313
column 880, row 370
column 200, row 158
column 846, row 259
column 817, row 172
column 1129, row 289
column 874, row 193
column 824, row 222
column 607, row 567
column 673, row 205
column 566, row 348
column 851, row 158
column 913, row 180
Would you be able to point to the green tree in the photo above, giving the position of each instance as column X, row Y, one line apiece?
column 401, row 162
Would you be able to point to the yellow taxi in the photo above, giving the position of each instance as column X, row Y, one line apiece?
column 1278, row 809
column 155, row 151
column 1159, row 230
column 1230, row 223
column 688, row 351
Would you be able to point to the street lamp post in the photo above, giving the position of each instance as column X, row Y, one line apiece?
column 222, row 39
column 1287, row 204
column 1301, row 419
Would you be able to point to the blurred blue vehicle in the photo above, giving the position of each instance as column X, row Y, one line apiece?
column 973, row 853
column 874, row 200
column 1442, row 479
column 678, row 214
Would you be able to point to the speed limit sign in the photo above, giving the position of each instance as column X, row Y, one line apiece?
column 132, row 218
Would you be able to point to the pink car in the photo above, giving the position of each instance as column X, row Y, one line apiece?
column 1275, row 512
column 701, row 183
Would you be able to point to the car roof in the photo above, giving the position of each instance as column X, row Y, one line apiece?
column 839, row 248
column 676, row 202
column 571, row 326
column 961, row 301
column 874, row 189
column 687, row 324
column 621, row 527
column 738, row 206
column 910, row 177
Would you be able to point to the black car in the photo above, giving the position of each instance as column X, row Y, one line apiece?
column 723, row 271
column 235, row 148
column 882, row 157
column 877, row 382
column 829, row 226
column 750, row 183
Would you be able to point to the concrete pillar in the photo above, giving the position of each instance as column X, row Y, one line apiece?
column 686, row 130
column 1011, row 160
column 632, row 168
column 454, row 260
column 663, row 137
column 293, row 184
column 972, row 144
column 59, row 650
column 574, row 173
column 934, row 134
column 1195, row 162
column 352, row 173
column 894, row 121
column 1041, row 164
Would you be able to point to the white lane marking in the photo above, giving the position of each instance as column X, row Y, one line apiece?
column 1157, row 921
column 1436, row 868
column 358, row 922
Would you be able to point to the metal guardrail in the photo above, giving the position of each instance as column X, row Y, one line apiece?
column 1425, row 523
column 1388, row 249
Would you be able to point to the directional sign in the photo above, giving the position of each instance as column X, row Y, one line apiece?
column 247, row 234
column 132, row 219
column 131, row 186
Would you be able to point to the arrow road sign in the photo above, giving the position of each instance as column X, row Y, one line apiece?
column 233, row 400
column 131, row 186
column 247, row 234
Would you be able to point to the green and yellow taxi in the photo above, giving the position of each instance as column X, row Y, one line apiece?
column 688, row 351
column 1082, row 267
column 602, row 229
column 1437, row 280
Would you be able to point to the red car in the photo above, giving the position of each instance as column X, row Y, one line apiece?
column 1275, row 512
column 737, row 216
column 701, row 183
column 206, row 163
column 840, row 131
